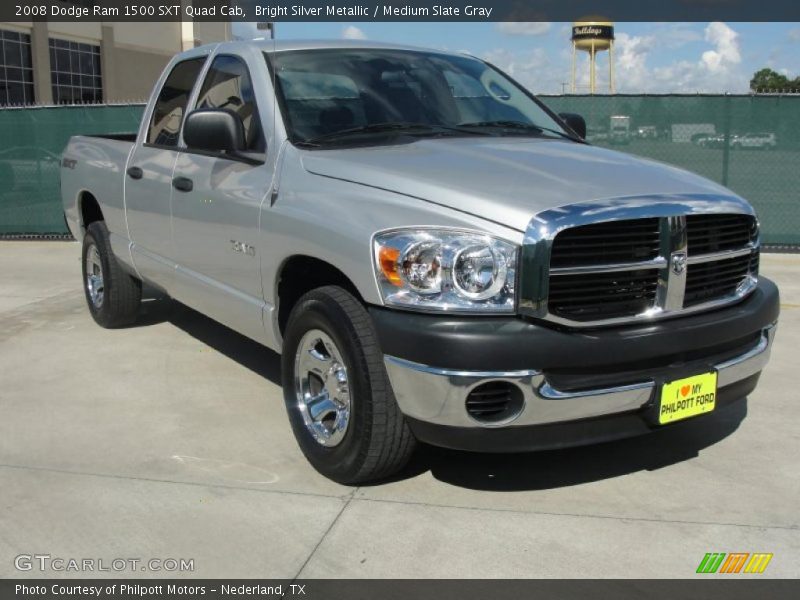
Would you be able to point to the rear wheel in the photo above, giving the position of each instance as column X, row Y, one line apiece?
column 340, row 403
column 113, row 296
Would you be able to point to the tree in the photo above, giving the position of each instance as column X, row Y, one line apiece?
column 767, row 80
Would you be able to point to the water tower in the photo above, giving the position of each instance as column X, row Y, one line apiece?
column 593, row 37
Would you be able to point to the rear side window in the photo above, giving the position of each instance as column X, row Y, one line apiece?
column 228, row 85
column 165, row 125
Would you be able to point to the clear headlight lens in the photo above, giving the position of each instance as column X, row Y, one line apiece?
column 445, row 270
column 479, row 272
column 421, row 267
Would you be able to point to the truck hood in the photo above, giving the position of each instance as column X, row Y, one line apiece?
column 506, row 180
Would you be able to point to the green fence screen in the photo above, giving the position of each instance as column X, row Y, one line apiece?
column 31, row 142
column 751, row 144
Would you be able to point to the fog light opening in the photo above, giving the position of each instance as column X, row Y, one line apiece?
column 495, row 402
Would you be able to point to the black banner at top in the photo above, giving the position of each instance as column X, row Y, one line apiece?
column 400, row 11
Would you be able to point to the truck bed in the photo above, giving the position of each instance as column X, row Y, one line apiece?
column 99, row 160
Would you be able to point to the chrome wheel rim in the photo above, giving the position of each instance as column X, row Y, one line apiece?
column 94, row 276
column 322, row 388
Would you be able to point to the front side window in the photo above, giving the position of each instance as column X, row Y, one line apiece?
column 16, row 72
column 170, row 107
column 228, row 86
column 375, row 91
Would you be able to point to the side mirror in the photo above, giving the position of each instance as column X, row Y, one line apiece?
column 214, row 130
column 575, row 122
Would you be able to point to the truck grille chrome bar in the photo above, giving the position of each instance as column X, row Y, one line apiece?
column 635, row 259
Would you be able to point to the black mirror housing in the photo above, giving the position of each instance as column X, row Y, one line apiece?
column 214, row 130
column 575, row 122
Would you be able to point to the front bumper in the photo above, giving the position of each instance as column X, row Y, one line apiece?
column 578, row 387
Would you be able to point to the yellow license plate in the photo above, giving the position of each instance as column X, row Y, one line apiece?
column 688, row 397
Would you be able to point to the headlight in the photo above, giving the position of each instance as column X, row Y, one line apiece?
column 432, row 269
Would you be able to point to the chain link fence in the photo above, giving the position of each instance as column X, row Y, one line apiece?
column 750, row 144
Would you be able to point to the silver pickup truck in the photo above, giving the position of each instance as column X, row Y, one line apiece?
column 437, row 256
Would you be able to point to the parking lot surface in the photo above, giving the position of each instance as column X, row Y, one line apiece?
column 169, row 439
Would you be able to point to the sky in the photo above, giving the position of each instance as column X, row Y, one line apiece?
column 649, row 57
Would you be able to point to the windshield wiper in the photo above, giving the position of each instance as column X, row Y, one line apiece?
column 390, row 127
column 520, row 126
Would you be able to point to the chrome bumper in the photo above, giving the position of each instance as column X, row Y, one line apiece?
column 438, row 395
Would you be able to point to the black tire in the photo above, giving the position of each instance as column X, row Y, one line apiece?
column 377, row 441
column 121, row 293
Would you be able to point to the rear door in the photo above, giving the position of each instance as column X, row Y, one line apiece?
column 148, row 177
column 216, row 222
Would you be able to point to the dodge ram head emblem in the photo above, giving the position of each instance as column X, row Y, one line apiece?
column 678, row 261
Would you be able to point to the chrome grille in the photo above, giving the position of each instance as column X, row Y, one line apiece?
column 603, row 243
column 624, row 269
column 710, row 280
column 603, row 295
column 713, row 233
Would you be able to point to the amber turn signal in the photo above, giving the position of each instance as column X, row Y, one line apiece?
column 387, row 257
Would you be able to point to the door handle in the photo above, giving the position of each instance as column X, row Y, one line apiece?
column 135, row 172
column 184, row 184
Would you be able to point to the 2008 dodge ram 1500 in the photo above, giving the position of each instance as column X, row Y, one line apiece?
column 437, row 256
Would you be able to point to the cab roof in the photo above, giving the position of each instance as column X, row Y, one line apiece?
column 320, row 44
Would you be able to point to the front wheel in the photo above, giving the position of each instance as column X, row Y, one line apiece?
column 338, row 396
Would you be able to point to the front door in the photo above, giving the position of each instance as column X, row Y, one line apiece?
column 216, row 206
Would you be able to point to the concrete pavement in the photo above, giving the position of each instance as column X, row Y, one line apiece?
column 169, row 440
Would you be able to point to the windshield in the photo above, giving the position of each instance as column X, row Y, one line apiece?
column 360, row 95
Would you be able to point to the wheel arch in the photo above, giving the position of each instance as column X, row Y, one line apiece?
column 89, row 210
column 299, row 274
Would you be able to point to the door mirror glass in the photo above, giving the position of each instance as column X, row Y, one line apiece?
column 214, row 130
column 575, row 122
